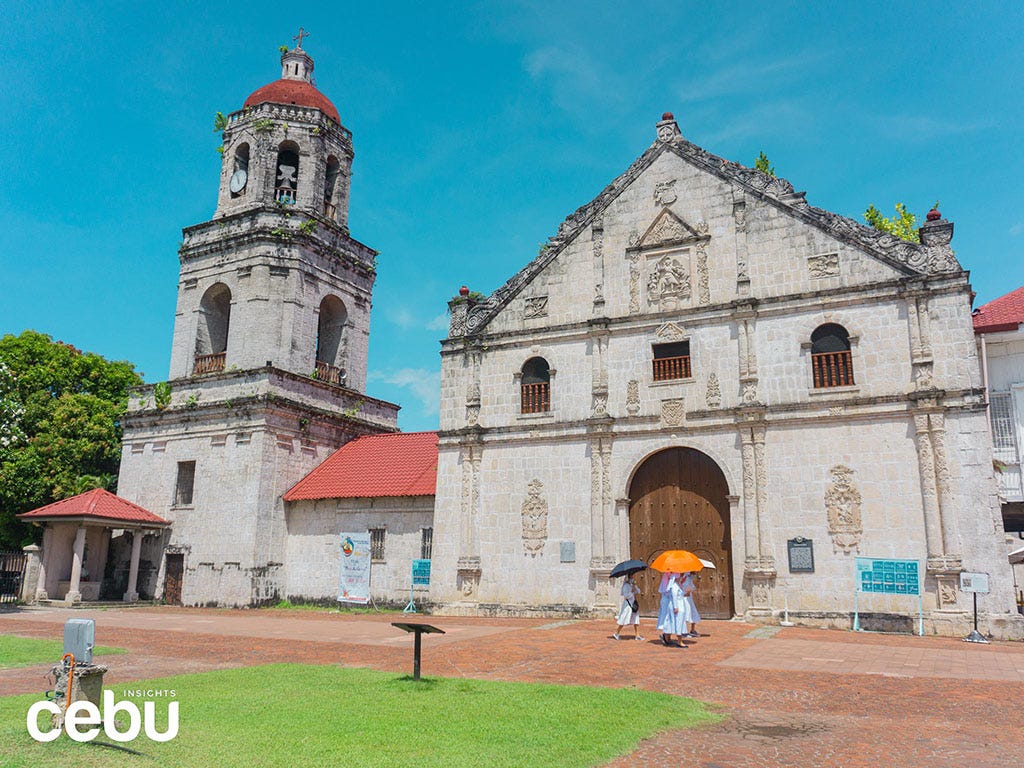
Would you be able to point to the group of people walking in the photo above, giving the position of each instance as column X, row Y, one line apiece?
column 677, row 613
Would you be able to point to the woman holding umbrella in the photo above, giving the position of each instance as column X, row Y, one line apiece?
column 674, row 615
column 629, row 612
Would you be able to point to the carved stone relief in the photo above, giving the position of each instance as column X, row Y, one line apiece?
column 668, row 283
column 634, row 283
column 714, row 394
column 703, row 279
column 739, row 215
column 947, row 592
column 824, row 265
column 665, row 193
column 673, row 413
column 671, row 332
column 749, row 392
column 600, row 404
column 535, row 306
column 633, row 398
column 535, row 519
column 842, row 506
column 667, row 228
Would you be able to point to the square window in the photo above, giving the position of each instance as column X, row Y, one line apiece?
column 671, row 361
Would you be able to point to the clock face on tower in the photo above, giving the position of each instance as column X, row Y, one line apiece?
column 238, row 179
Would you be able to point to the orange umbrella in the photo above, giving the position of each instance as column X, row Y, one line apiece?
column 677, row 561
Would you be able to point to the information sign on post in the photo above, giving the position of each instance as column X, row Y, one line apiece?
column 888, row 577
column 977, row 584
column 420, row 578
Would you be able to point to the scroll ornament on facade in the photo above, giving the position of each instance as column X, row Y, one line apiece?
column 842, row 506
column 535, row 519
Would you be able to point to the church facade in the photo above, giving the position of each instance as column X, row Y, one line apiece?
column 700, row 359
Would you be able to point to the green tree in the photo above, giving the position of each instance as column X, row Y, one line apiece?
column 763, row 164
column 903, row 225
column 60, row 431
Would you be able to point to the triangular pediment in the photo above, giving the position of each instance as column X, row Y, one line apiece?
column 667, row 229
column 671, row 332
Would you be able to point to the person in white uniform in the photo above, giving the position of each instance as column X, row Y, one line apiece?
column 629, row 612
column 689, row 587
column 673, row 611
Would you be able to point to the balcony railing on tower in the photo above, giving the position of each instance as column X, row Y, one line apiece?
column 536, row 397
column 832, row 369
column 332, row 374
column 209, row 363
column 285, row 195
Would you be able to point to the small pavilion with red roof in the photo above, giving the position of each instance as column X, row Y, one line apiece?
column 75, row 543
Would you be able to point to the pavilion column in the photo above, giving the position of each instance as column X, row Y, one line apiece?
column 74, row 589
column 44, row 560
column 132, row 596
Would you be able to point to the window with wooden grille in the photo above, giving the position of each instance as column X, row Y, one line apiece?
column 426, row 543
column 535, row 389
column 1004, row 441
column 184, row 483
column 671, row 361
column 377, row 544
column 831, row 359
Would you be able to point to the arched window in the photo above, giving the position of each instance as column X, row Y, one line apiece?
column 535, row 388
column 240, row 171
column 831, row 360
column 330, row 341
column 212, row 333
column 330, row 184
column 286, row 182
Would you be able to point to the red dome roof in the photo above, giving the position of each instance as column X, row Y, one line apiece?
column 297, row 92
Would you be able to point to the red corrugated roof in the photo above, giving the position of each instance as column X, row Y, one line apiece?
column 1002, row 314
column 99, row 504
column 396, row 464
column 293, row 92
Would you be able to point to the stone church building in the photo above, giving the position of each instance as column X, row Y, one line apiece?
column 700, row 359
column 697, row 359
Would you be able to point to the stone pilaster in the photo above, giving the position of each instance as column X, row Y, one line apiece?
column 597, row 242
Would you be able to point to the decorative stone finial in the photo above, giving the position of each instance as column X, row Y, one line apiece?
column 667, row 127
column 936, row 230
column 464, row 291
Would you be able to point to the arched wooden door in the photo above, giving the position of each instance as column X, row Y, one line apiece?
column 678, row 500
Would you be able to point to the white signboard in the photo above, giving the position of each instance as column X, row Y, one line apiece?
column 974, row 582
column 355, row 568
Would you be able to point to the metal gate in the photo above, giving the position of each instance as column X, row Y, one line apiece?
column 12, row 572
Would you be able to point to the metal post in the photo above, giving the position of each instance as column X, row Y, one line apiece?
column 856, row 613
column 416, row 658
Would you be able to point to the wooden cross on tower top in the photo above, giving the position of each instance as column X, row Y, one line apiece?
column 299, row 37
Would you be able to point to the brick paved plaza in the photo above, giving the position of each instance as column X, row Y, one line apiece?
column 793, row 697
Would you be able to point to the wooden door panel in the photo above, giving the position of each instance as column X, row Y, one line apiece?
column 172, row 579
column 678, row 501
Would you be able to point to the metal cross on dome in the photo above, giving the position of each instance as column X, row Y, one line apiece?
column 299, row 37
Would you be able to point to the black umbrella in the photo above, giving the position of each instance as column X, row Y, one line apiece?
column 628, row 567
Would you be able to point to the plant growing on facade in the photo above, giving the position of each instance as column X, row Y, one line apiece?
column 192, row 401
column 308, row 227
column 903, row 225
column 220, row 123
column 263, row 125
column 763, row 164
column 162, row 394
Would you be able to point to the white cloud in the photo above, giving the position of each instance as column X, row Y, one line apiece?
column 439, row 323
column 406, row 319
column 424, row 384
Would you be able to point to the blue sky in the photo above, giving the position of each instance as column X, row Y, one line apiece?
column 477, row 129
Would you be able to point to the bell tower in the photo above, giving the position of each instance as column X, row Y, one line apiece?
column 268, row 359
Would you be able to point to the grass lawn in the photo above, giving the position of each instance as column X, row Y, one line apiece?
column 23, row 651
column 294, row 715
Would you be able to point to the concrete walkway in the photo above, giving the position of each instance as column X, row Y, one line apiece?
column 793, row 697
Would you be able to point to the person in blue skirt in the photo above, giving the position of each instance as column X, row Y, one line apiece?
column 673, row 611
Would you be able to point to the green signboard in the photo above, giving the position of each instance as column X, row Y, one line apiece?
column 891, row 577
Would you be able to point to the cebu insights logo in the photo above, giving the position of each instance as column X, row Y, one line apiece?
column 84, row 713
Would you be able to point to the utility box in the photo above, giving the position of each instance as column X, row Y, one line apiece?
column 79, row 639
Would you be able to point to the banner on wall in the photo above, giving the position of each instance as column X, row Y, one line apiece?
column 355, row 568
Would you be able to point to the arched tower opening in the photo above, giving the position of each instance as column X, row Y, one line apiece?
column 330, row 340
column 212, row 330
column 286, row 180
